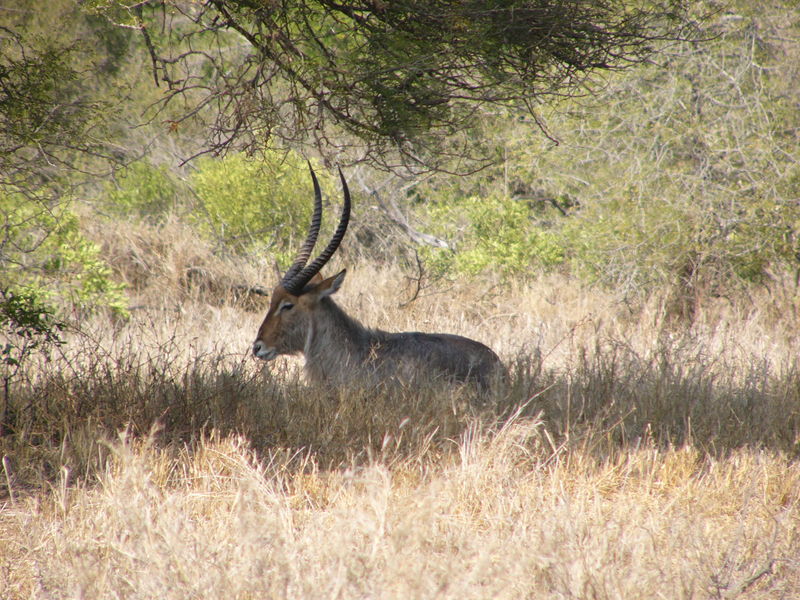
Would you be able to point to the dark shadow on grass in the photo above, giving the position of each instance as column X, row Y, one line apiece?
column 609, row 398
column 678, row 394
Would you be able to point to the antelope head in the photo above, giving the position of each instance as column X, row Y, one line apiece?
column 301, row 288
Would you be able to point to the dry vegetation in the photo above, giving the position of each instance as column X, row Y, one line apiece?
column 632, row 457
column 647, row 446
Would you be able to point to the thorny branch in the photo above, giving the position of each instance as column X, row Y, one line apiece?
column 366, row 81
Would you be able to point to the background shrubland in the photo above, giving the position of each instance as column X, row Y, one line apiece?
column 639, row 279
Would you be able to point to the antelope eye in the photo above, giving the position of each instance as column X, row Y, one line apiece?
column 286, row 306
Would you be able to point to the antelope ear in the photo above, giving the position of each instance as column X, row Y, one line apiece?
column 316, row 279
column 331, row 285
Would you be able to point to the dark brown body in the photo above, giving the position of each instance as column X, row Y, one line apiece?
column 339, row 350
column 303, row 318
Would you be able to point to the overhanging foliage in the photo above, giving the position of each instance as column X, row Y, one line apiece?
column 396, row 79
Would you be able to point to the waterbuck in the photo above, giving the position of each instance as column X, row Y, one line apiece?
column 303, row 318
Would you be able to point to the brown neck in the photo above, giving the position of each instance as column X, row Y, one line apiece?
column 336, row 344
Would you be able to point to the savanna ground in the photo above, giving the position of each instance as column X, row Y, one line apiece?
column 635, row 454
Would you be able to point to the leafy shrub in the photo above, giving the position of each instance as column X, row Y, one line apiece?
column 47, row 257
column 142, row 189
column 253, row 206
column 27, row 326
column 494, row 233
column 696, row 180
column 684, row 173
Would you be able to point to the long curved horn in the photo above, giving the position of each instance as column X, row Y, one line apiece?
column 311, row 239
column 299, row 281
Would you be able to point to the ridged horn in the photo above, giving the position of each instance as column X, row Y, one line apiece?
column 296, row 284
column 311, row 239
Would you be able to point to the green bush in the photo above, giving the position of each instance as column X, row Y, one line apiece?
column 696, row 178
column 45, row 256
column 682, row 173
column 253, row 206
column 496, row 233
column 142, row 189
column 27, row 327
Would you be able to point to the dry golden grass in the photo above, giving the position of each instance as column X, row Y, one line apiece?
column 505, row 517
column 632, row 457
